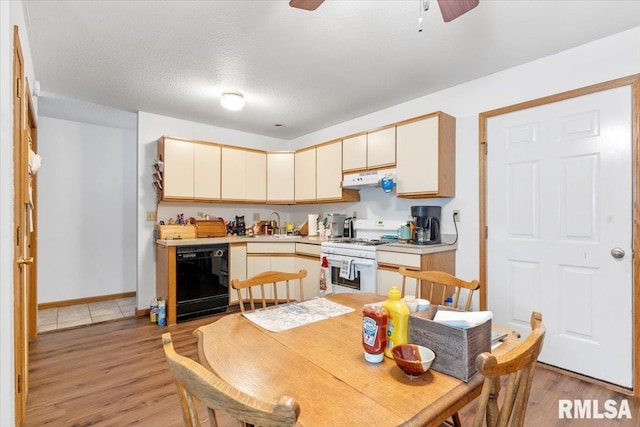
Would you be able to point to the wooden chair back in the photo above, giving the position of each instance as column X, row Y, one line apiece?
column 439, row 284
column 518, row 365
column 271, row 280
column 196, row 382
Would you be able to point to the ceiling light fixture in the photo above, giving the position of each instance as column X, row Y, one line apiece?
column 233, row 101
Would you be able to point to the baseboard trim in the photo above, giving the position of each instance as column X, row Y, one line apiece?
column 57, row 304
column 610, row 386
column 144, row 312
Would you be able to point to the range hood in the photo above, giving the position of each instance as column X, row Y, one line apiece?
column 367, row 179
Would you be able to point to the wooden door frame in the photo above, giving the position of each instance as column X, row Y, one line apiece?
column 32, row 291
column 634, row 82
column 19, row 297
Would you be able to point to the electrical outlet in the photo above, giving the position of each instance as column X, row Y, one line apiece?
column 152, row 216
column 456, row 216
column 200, row 214
column 256, row 217
column 355, row 214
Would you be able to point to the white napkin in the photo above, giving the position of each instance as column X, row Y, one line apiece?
column 462, row 319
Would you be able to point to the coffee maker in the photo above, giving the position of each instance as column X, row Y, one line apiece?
column 427, row 224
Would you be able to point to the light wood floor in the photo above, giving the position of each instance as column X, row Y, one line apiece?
column 114, row 374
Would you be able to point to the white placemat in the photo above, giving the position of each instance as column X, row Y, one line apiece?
column 281, row 317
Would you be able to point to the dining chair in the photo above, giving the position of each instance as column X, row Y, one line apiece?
column 517, row 366
column 271, row 280
column 435, row 278
column 194, row 381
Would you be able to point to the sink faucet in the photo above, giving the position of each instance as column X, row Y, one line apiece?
column 277, row 225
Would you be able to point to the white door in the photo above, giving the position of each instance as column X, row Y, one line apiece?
column 559, row 201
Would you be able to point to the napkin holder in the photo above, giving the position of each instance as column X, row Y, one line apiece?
column 456, row 349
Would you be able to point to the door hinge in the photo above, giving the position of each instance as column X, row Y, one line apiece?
column 19, row 383
column 486, row 231
column 18, row 85
column 18, row 236
column 486, row 147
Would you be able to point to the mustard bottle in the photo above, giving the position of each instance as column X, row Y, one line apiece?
column 398, row 326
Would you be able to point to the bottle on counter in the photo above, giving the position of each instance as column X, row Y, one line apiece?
column 374, row 332
column 398, row 325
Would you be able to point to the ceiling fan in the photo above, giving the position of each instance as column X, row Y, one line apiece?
column 450, row 9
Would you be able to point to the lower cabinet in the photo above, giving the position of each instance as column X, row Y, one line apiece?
column 390, row 262
column 237, row 267
column 271, row 257
column 312, row 281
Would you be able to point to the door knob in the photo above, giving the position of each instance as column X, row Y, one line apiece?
column 617, row 253
column 23, row 260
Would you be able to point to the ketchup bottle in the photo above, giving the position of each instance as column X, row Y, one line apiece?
column 374, row 332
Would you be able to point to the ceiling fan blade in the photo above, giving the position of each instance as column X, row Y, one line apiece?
column 451, row 9
column 305, row 4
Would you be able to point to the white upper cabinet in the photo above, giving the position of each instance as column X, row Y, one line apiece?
column 426, row 157
column 280, row 177
column 354, row 152
column 329, row 171
column 372, row 150
column 191, row 169
column 381, row 148
column 244, row 175
column 206, row 175
column 305, row 175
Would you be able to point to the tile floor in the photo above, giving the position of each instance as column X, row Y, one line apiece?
column 84, row 314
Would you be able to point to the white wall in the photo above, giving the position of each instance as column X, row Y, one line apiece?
column 11, row 14
column 86, row 207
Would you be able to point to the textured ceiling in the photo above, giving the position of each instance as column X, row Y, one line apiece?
column 306, row 70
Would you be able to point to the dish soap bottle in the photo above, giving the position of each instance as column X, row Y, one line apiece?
column 398, row 326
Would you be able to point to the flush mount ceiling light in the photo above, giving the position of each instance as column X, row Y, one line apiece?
column 233, row 101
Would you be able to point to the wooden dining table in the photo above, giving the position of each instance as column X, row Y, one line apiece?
column 322, row 366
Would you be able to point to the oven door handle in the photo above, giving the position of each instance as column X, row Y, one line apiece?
column 357, row 263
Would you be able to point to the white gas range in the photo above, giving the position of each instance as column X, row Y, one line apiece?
column 351, row 264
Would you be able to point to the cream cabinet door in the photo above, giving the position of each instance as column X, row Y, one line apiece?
column 206, row 174
column 387, row 279
column 280, row 177
column 354, row 153
column 329, row 171
column 233, row 173
column 305, row 175
column 259, row 263
column 237, row 267
column 381, row 148
column 178, row 169
column 417, row 162
column 255, row 176
column 312, row 281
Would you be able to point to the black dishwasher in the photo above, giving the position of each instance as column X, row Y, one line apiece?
column 202, row 280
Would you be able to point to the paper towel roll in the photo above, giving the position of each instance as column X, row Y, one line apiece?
column 312, row 224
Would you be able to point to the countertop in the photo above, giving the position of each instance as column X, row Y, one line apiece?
column 389, row 247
